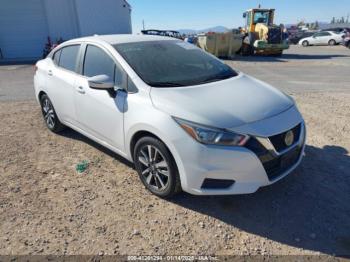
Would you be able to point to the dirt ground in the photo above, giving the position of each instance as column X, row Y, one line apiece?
column 46, row 207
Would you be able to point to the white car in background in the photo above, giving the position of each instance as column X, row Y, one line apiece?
column 183, row 117
column 322, row 38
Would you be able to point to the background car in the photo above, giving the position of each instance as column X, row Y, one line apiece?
column 346, row 38
column 336, row 29
column 322, row 38
column 295, row 38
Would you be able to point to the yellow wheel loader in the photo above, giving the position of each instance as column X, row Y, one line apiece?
column 261, row 35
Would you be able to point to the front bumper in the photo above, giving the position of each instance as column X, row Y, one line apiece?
column 242, row 170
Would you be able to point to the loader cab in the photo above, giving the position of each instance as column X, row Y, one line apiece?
column 258, row 16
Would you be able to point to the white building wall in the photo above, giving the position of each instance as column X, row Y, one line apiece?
column 23, row 28
column 62, row 20
column 26, row 24
column 103, row 17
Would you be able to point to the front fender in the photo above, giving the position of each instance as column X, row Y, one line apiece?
column 171, row 133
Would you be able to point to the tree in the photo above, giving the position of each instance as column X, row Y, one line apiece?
column 301, row 23
column 317, row 25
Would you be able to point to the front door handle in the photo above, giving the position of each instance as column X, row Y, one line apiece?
column 81, row 90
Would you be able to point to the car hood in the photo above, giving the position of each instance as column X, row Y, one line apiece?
column 225, row 104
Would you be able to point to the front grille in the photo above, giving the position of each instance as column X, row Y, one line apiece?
column 274, row 35
column 274, row 165
column 279, row 165
column 278, row 141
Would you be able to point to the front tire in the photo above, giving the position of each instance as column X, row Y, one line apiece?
column 156, row 167
column 305, row 43
column 51, row 120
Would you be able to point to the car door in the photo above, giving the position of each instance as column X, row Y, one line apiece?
column 61, row 82
column 322, row 38
column 99, row 112
column 315, row 39
column 325, row 37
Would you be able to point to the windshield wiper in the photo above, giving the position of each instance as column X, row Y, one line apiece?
column 165, row 84
column 216, row 78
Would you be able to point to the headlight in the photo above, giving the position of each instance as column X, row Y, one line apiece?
column 211, row 135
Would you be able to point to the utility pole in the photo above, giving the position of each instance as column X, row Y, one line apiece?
column 143, row 24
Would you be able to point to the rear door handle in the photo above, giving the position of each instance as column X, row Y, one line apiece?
column 50, row 73
column 81, row 90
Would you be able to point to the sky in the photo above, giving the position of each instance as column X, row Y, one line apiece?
column 201, row 14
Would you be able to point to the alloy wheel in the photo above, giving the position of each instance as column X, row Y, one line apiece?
column 49, row 114
column 155, row 169
column 331, row 42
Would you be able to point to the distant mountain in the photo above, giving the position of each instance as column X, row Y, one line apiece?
column 217, row 29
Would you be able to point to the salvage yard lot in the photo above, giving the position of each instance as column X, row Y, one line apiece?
column 46, row 207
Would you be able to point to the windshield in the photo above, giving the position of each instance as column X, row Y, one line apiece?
column 261, row 17
column 173, row 63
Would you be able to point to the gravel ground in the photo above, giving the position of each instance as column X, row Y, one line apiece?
column 46, row 207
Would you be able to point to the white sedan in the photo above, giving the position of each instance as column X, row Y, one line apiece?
column 185, row 119
column 322, row 38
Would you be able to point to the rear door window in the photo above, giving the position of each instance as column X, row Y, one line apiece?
column 68, row 57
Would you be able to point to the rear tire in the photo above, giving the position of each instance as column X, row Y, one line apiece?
column 247, row 50
column 305, row 43
column 50, row 117
column 156, row 167
column 332, row 42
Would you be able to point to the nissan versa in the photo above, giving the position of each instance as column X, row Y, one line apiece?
column 185, row 119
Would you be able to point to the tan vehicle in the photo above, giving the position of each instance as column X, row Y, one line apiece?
column 261, row 35
column 221, row 44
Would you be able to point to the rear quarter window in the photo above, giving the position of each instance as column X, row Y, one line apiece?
column 56, row 57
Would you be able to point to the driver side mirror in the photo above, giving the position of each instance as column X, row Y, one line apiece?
column 103, row 82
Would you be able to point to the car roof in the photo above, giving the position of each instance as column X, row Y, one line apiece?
column 120, row 39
